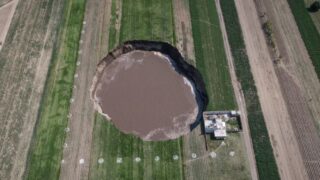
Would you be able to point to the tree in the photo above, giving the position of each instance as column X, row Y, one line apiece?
column 314, row 7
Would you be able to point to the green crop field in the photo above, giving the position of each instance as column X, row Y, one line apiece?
column 265, row 160
column 212, row 63
column 210, row 54
column 46, row 148
column 308, row 31
column 152, row 20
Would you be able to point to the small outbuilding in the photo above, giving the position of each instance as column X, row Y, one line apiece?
column 215, row 122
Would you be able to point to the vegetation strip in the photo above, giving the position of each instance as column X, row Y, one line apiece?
column 46, row 150
column 211, row 61
column 308, row 31
column 149, row 20
column 265, row 160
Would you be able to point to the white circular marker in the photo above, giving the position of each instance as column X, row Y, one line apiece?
column 194, row 155
column 65, row 145
column 175, row 157
column 71, row 100
column 78, row 63
column 67, row 129
column 76, row 75
column 157, row 158
column 80, row 52
column 83, row 31
column 62, row 161
column 84, row 23
column 119, row 160
column 100, row 160
column 231, row 153
column 81, row 161
column 69, row 115
column 213, row 154
column 137, row 159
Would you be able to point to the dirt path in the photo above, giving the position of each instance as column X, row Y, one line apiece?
column 93, row 44
column 299, row 82
column 183, row 30
column 24, row 63
column 239, row 97
column 273, row 104
column 6, row 14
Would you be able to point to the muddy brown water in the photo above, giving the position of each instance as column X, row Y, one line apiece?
column 143, row 95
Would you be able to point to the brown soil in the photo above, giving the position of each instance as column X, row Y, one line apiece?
column 299, row 83
column 273, row 104
column 6, row 14
column 143, row 94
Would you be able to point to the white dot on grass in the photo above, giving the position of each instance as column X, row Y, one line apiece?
column 80, row 52
column 231, row 153
column 194, row 155
column 81, row 161
column 78, row 63
column 69, row 115
column 83, row 31
column 175, row 157
column 71, row 100
column 223, row 143
column 137, row 159
column 100, row 160
column 65, row 145
column 157, row 158
column 119, row 160
column 76, row 75
column 81, row 41
column 67, row 129
column 84, row 23
column 62, row 161
column 213, row 154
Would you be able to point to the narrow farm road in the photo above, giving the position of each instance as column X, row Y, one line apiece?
column 93, row 46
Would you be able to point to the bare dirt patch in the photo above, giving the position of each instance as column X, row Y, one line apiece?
column 6, row 14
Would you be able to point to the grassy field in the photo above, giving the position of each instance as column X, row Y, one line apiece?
column 308, row 31
column 210, row 54
column 46, row 149
column 140, row 20
column 265, row 160
column 212, row 63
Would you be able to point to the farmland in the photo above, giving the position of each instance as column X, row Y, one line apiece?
column 212, row 63
column 46, row 149
column 315, row 16
column 115, row 144
column 24, row 61
column 266, row 164
column 308, row 31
